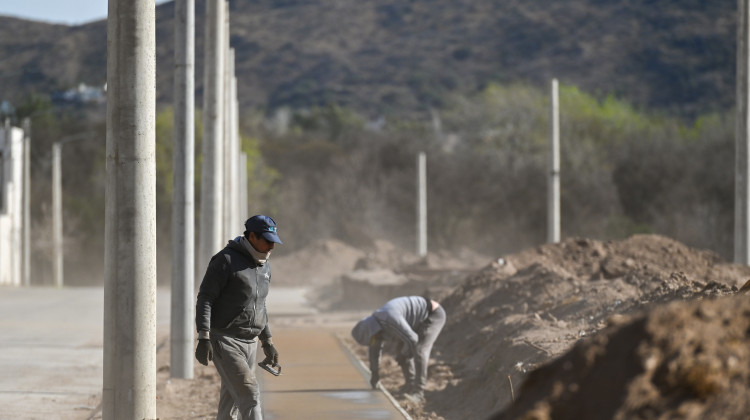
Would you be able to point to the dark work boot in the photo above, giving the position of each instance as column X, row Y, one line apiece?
column 407, row 388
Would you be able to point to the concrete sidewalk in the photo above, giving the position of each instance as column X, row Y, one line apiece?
column 319, row 381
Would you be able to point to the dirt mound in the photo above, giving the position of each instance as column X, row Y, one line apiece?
column 684, row 360
column 528, row 308
column 643, row 328
column 316, row 264
column 384, row 254
column 384, row 271
column 325, row 261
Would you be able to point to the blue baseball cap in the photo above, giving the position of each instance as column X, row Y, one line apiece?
column 263, row 225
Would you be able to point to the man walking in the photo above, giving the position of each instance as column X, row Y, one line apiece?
column 231, row 313
column 413, row 323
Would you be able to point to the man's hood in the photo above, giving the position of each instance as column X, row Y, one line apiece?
column 365, row 329
column 238, row 246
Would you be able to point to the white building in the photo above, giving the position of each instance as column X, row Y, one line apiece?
column 11, row 206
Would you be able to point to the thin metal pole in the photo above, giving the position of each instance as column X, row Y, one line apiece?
column 129, row 389
column 57, row 228
column 553, row 188
column 26, row 202
column 211, row 234
column 742, row 174
column 422, row 205
column 183, row 205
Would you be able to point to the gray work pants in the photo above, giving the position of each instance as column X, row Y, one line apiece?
column 415, row 369
column 234, row 359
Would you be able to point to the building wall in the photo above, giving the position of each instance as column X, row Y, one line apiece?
column 11, row 206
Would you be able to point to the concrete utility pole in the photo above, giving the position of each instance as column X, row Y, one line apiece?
column 237, row 214
column 57, row 230
column 4, row 205
column 553, row 185
column 183, row 201
column 422, row 204
column 129, row 389
column 742, row 174
column 13, row 204
column 26, row 202
column 58, row 252
column 228, row 210
column 211, row 239
column 244, row 211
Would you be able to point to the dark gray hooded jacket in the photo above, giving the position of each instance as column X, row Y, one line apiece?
column 232, row 295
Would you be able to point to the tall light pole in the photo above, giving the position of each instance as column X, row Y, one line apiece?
column 553, row 183
column 12, row 190
column 211, row 234
column 26, row 202
column 57, row 231
column 742, row 137
column 57, row 207
column 183, row 203
column 129, row 385
column 422, row 204
column 243, row 206
column 239, row 213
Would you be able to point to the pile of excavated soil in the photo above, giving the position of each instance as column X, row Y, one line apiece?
column 529, row 308
column 316, row 264
column 642, row 328
column 376, row 275
column 525, row 310
column 324, row 262
column 680, row 361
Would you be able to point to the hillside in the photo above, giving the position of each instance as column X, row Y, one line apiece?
column 391, row 57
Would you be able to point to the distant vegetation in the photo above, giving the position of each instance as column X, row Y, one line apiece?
column 623, row 172
column 327, row 173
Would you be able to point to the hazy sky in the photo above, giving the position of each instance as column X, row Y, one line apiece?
column 71, row 12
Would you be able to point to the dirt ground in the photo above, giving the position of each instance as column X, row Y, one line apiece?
column 643, row 328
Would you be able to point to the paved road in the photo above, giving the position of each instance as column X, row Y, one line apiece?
column 51, row 351
column 51, row 359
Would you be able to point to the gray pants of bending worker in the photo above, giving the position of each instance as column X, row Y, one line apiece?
column 415, row 370
column 234, row 359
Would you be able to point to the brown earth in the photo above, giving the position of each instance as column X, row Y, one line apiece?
column 681, row 361
column 641, row 328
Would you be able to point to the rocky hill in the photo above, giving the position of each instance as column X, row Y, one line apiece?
column 393, row 56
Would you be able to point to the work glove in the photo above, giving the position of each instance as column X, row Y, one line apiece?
column 374, row 379
column 272, row 356
column 204, row 352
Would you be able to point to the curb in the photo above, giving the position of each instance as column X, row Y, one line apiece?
column 365, row 371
